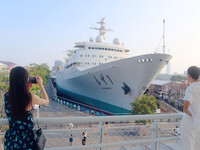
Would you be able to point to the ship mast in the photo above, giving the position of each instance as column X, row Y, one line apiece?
column 102, row 28
column 163, row 36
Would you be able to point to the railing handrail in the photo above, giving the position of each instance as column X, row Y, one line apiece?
column 95, row 119
column 144, row 141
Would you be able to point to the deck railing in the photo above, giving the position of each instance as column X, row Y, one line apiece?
column 108, row 132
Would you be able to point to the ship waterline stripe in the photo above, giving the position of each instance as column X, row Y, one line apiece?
column 93, row 102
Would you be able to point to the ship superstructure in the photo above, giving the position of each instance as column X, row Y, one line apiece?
column 105, row 75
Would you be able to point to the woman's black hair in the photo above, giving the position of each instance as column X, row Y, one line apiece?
column 18, row 93
column 194, row 72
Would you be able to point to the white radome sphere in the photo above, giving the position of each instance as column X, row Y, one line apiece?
column 117, row 41
column 99, row 39
column 91, row 39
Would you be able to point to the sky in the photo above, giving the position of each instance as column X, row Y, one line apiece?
column 38, row 31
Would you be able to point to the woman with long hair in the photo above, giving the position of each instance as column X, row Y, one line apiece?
column 18, row 107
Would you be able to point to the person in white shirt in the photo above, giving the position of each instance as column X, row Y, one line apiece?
column 190, row 124
column 176, row 130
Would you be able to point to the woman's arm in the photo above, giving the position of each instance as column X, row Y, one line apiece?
column 186, row 106
column 36, row 99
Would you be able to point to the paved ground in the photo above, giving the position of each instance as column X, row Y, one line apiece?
column 55, row 109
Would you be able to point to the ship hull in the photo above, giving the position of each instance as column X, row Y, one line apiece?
column 105, row 86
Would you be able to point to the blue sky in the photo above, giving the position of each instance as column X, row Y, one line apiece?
column 39, row 31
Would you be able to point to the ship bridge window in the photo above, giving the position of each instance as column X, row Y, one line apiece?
column 70, row 65
column 109, row 49
column 145, row 60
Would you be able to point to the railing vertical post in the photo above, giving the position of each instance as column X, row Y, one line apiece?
column 99, row 134
column 148, row 128
column 90, row 136
column 154, row 134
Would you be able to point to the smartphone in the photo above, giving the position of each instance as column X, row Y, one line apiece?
column 32, row 80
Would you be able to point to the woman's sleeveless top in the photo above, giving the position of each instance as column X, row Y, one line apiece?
column 20, row 135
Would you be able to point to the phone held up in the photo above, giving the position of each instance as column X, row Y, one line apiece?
column 32, row 80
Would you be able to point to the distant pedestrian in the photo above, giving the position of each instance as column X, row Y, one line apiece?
column 176, row 131
column 85, row 133
column 71, row 140
column 83, row 138
column 190, row 124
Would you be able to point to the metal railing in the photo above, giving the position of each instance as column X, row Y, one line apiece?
column 108, row 132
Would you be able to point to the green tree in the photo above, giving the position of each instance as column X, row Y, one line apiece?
column 3, row 88
column 145, row 104
column 41, row 70
column 178, row 78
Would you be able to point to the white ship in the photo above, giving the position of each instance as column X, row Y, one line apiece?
column 105, row 75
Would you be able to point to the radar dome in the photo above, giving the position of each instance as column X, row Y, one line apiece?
column 91, row 39
column 117, row 41
column 100, row 39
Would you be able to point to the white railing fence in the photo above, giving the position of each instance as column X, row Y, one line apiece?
column 108, row 132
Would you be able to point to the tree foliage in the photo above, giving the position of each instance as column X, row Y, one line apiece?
column 178, row 78
column 146, row 104
column 41, row 70
column 4, row 80
column 4, row 76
